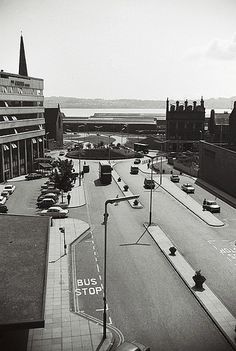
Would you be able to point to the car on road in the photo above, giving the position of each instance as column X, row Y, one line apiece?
column 9, row 188
column 47, row 196
column 3, row 209
column 134, row 170
column 50, row 190
column 174, row 178
column 46, row 203
column 61, row 153
column 188, row 188
column 55, row 212
column 32, row 176
column 212, row 206
column 132, row 346
column 3, row 199
column 137, row 161
column 149, row 183
column 5, row 193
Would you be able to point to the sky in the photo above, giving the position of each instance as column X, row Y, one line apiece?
column 124, row 49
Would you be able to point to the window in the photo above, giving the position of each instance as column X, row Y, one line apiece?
column 14, row 146
column 5, row 147
column 34, row 141
column 15, row 131
column 14, row 118
column 20, row 91
column 4, row 89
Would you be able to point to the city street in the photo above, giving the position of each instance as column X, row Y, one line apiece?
column 147, row 300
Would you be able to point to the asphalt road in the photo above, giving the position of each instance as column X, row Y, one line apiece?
column 147, row 300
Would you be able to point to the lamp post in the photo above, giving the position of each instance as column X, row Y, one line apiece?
column 98, row 128
column 109, row 201
column 82, row 125
column 150, row 204
column 109, row 149
column 63, row 231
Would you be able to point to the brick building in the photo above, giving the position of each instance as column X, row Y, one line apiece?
column 184, row 125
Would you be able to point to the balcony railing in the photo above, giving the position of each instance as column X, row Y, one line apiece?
column 21, row 110
column 21, row 136
column 21, row 123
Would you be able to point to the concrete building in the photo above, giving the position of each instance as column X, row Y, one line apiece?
column 54, row 127
column 21, row 120
column 217, row 167
column 184, row 125
column 218, row 127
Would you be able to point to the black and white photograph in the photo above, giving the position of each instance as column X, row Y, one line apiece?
column 118, row 175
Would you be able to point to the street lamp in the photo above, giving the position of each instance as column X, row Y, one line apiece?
column 109, row 149
column 98, row 128
column 63, row 231
column 150, row 204
column 82, row 125
column 109, row 201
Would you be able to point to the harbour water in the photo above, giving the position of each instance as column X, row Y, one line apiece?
column 159, row 113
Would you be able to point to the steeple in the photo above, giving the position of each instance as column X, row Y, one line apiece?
column 22, row 61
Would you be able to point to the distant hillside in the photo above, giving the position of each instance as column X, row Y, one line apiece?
column 72, row 102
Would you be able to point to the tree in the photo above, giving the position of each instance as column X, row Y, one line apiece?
column 63, row 175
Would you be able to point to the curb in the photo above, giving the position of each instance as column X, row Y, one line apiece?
column 125, row 193
column 227, row 337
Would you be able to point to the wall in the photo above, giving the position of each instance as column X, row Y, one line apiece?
column 218, row 167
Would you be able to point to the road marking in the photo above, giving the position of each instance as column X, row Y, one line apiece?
column 110, row 320
column 100, row 277
column 98, row 268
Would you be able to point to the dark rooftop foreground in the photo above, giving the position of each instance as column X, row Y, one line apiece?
column 23, row 270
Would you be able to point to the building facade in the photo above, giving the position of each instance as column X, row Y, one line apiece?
column 54, row 127
column 218, row 127
column 21, row 121
column 184, row 125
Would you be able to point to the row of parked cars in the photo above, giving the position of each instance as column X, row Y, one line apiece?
column 47, row 201
column 6, row 192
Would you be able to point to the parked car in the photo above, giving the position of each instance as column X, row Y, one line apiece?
column 44, row 186
column 46, row 203
column 188, row 188
column 55, row 212
column 50, row 190
column 9, row 188
column 5, row 193
column 132, row 346
column 61, row 153
column 212, row 206
column 137, row 161
column 134, row 170
column 3, row 199
column 47, row 196
column 149, row 183
column 3, row 209
column 32, row 176
column 174, row 178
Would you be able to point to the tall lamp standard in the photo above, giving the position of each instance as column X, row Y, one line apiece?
column 150, row 203
column 80, row 126
column 109, row 201
column 109, row 149
column 98, row 128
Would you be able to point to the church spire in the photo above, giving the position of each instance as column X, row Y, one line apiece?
column 22, row 61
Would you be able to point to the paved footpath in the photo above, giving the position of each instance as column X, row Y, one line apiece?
column 65, row 330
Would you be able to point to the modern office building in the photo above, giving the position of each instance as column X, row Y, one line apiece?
column 21, row 120
column 184, row 125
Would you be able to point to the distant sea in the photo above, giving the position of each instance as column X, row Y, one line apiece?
column 87, row 112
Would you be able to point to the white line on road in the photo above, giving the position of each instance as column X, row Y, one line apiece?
column 100, row 277
column 110, row 321
column 98, row 268
column 215, row 247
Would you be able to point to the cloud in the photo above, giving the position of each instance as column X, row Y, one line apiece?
column 218, row 49
column 222, row 50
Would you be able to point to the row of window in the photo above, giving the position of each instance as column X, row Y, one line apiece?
column 22, row 91
column 14, row 146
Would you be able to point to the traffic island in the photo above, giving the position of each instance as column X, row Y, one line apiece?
column 125, row 190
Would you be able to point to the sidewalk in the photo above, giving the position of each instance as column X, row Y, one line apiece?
column 65, row 330
column 213, row 306
column 185, row 199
